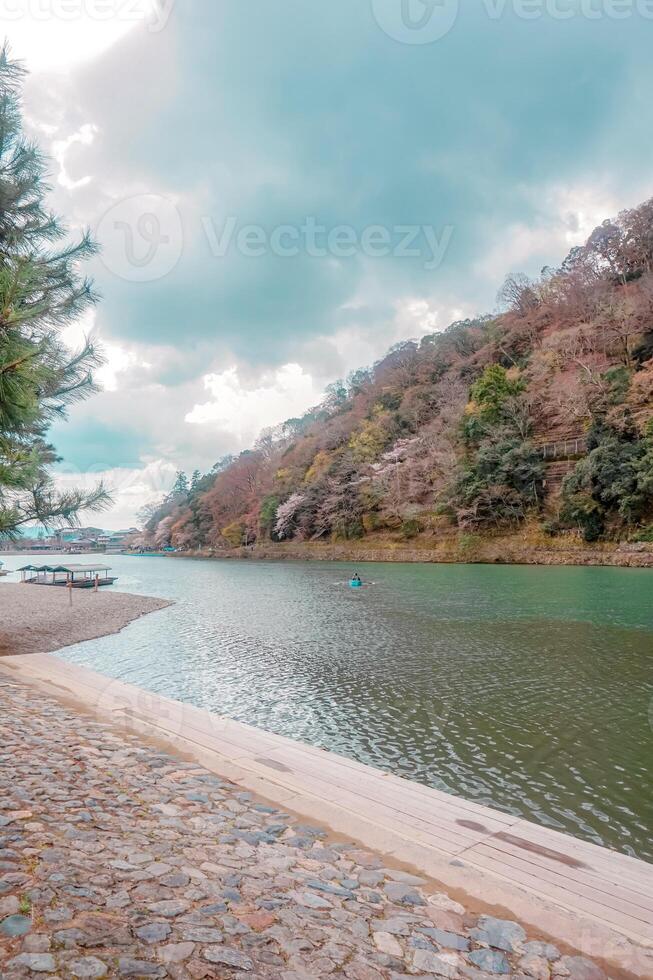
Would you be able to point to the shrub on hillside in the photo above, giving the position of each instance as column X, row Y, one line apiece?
column 613, row 482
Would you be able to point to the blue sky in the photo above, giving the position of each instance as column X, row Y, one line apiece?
column 203, row 141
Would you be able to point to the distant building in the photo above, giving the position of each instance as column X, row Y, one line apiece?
column 115, row 540
column 78, row 539
column 74, row 536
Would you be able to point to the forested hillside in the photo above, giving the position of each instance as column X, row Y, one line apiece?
column 543, row 412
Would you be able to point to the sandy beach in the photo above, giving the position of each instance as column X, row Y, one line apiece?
column 35, row 619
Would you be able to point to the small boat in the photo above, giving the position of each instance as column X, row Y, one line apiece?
column 356, row 583
column 75, row 576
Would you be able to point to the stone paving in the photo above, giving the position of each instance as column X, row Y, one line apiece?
column 120, row 860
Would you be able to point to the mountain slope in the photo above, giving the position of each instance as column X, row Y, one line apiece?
column 539, row 417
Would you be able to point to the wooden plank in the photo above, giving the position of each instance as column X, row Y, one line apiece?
column 564, row 862
column 445, row 837
column 416, row 829
column 407, row 794
column 613, row 865
column 392, row 794
column 597, row 878
column 600, row 890
column 485, row 858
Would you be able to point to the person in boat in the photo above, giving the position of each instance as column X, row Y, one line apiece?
column 356, row 578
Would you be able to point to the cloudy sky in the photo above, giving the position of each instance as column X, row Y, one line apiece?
column 284, row 188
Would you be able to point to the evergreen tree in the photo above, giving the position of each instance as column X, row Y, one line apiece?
column 179, row 487
column 41, row 291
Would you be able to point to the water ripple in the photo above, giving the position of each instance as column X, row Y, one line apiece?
column 525, row 689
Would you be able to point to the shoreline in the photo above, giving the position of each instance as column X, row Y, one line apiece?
column 584, row 897
column 526, row 548
column 493, row 553
column 38, row 619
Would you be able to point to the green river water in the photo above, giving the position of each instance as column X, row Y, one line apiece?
column 527, row 689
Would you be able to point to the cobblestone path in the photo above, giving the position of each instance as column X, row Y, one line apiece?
column 116, row 859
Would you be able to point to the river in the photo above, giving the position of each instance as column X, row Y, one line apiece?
column 527, row 689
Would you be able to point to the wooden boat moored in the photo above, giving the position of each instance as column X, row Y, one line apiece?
column 76, row 576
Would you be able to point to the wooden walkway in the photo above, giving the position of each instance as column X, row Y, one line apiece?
column 565, row 449
column 597, row 900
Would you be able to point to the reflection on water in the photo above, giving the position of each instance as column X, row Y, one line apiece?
column 524, row 688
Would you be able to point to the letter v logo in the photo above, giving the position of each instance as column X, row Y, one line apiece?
column 416, row 21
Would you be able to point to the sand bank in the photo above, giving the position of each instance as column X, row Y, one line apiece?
column 37, row 619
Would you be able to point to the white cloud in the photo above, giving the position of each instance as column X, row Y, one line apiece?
column 118, row 359
column 131, row 489
column 418, row 317
column 361, row 344
column 243, row 411
column 85, row 136
column 75, row 334
column 566, row 216
column 57, row 35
